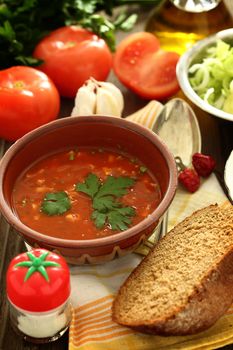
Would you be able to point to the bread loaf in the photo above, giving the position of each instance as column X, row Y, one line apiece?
column 186, row 282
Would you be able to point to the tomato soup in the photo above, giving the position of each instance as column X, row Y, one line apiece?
column 50, row 196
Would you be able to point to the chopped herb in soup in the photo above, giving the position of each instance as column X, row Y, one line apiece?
column 85, row 193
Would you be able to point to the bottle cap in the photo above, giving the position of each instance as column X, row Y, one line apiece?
column 38, row 281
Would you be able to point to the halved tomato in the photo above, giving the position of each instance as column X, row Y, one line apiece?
column 143, row 67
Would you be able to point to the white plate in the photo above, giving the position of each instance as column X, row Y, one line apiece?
column 228, row 175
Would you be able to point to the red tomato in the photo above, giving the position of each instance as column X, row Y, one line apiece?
column 143, row 67
column 28, row 99
column 37, row 291
column 72, row 55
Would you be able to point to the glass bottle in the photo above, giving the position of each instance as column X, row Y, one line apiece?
column 196, row 5
column 40, row 327
column 177, row 29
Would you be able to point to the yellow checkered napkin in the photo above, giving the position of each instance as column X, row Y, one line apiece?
column 94, row 287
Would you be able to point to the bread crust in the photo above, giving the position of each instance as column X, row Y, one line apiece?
column 208, row 302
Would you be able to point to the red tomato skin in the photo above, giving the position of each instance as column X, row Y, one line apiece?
column 36, row 294
column 28, row 99
column 71, row 56
column 168, row 84
column 144, row 68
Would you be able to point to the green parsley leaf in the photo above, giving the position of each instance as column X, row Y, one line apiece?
column 120, row 218
column 115, row 186
column 7, row 31
column 102, row 27
column 143, row 169
column 124, row 23
column 90, row 186
column 55, row 203
column 105, row 200
column 28, row 61
column 103, row 204
column 99, row 218
column 86, row 6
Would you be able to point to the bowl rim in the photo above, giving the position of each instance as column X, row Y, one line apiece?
column 23, row 229
column 182, row 76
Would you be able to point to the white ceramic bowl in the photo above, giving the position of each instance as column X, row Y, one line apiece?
column 195, row 55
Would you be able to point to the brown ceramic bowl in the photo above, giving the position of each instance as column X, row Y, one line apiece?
column 89, row 131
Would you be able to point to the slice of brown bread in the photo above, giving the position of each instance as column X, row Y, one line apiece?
column 186, row 282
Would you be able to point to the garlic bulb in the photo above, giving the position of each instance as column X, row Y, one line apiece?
column 98, row 97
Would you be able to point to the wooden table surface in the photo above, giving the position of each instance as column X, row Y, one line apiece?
column 217, row 138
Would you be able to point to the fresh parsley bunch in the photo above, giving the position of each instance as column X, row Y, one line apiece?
column 24, row 22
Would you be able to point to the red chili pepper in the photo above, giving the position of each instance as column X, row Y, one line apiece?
column 203, row 164
column 189, row 179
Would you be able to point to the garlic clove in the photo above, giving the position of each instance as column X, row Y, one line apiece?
column 85, row 101
column 106, row 103
column 116, row 93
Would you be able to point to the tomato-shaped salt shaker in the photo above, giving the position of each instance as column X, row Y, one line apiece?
column 38, row 290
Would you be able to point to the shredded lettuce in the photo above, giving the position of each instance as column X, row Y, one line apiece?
column 212, row 78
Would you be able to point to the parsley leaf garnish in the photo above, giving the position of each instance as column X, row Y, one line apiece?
column 105, row 200
column 143, row 169
column 115, row 186
column 90, row 186
column 55, row 203
column 118, row 217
